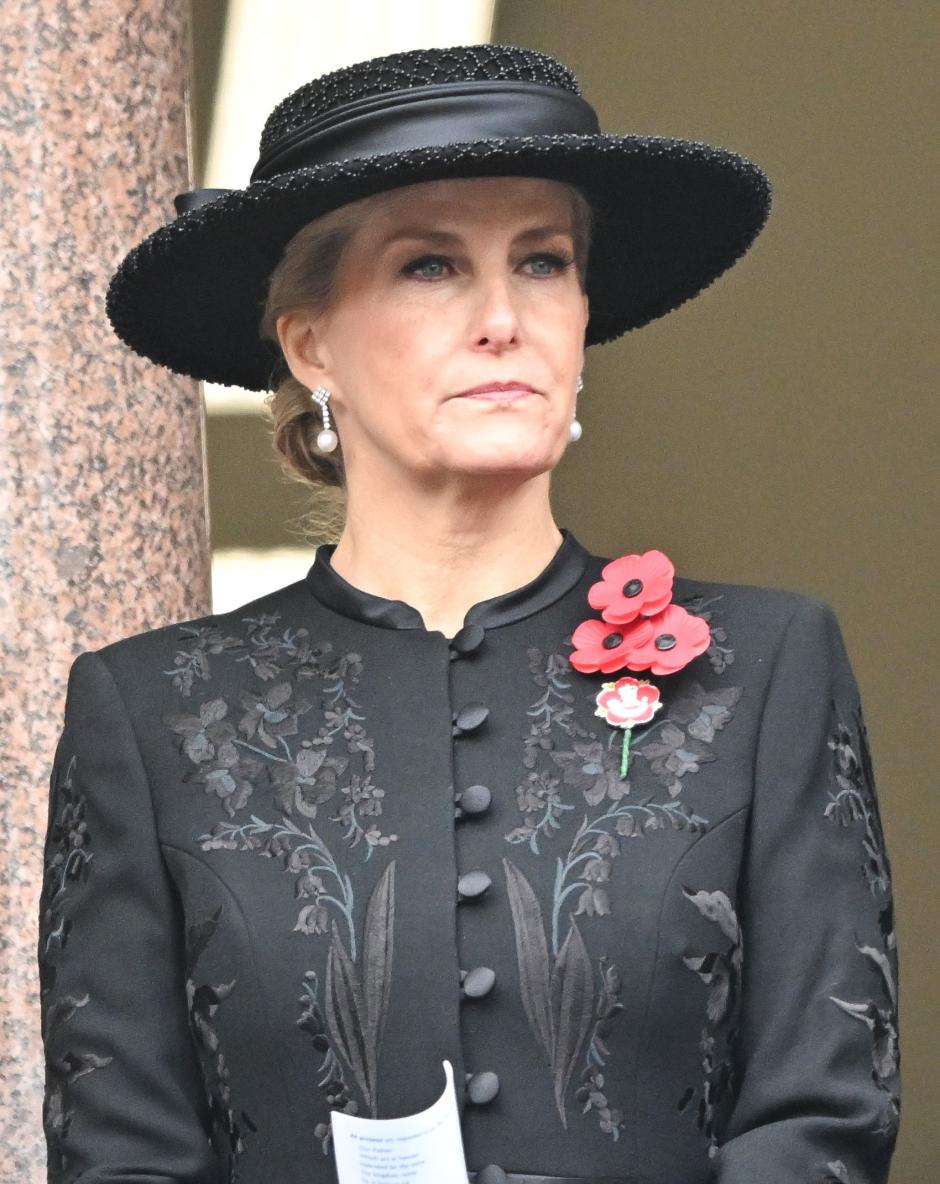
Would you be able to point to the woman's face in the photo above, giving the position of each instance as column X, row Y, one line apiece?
column 452, row 284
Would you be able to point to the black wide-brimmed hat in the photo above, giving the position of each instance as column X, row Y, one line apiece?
column 670, row 215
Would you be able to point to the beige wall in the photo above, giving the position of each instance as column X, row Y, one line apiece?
column 782, row 428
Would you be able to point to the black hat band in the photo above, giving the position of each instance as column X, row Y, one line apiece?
column 421, row 117
column 445, row 113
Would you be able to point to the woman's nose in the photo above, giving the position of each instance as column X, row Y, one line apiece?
column 497, row 315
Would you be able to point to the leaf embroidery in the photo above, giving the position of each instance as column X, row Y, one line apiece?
column 720, row 971
column 356, row 1010
column 572, row 991
column 345, row 1015
column 855, row 801
column 559, row 1002
column 377, row 952
column 204, row 1001
column 68, row 863
column 532, row 952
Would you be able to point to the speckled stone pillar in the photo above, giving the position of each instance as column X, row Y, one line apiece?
column 103, row 518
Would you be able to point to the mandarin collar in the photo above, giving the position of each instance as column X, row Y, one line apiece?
column 563, row 571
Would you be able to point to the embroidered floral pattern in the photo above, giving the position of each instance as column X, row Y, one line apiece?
column 838, row 1173
column 69, row 861
column 332, row 1083
column 591, row 1091
column 855, row 801
column 586, row 868
column 262, row 648
column 588, row 766
column 719, row 654
column 720, row 971
column 204, row 1000
column 591, row 767
column 238, row 748
column 680, row 743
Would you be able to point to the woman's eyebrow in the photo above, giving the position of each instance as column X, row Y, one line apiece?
column 447, row 238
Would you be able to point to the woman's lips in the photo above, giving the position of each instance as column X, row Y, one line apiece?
column 499, row 392
column 512, row 396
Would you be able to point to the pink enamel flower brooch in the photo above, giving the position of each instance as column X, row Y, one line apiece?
column 640, row 629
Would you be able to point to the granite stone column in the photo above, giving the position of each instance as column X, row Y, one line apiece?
column 103, row 517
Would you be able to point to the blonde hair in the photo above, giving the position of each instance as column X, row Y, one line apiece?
column 306, row 277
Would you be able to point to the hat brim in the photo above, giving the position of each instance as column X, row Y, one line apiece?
column 670, row 217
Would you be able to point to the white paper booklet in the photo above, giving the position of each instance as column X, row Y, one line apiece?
column 424, row 1148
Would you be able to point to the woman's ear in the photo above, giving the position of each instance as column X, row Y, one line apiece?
column 303, row 350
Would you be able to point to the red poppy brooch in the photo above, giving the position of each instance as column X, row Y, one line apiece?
column 640, row 629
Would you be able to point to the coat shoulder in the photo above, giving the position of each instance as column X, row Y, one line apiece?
column 770, row 607
column 160, row 644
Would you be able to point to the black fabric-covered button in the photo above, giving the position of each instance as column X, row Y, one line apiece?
column 475, row 799
column 492, row 1174
column 473, row 884
column 482, row 1088
column 477, row 982
column 466, row 640
column 470, row 716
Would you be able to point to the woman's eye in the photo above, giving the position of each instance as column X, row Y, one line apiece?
column 546, row 263
column 419, row 266
column 555, row 262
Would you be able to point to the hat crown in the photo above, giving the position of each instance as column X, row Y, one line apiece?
column 409, row 70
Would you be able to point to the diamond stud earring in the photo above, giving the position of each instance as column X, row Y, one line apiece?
column 327, row 439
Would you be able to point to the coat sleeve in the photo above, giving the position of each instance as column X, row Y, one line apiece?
column 817, row 1053
column 124, row 1099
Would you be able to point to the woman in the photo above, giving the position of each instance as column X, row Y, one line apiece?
column 604, row 838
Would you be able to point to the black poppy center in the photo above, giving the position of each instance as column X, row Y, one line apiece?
column 633, row 588
column 665, row 641
column 612, row 640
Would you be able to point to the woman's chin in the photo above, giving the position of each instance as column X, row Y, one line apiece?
column 506, row 456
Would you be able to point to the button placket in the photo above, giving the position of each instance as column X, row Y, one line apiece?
column 471, row 802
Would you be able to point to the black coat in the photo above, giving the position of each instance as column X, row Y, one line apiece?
column 256, row 901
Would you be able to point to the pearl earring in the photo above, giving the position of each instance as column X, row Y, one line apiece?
column 574, row 428
column 327, row 439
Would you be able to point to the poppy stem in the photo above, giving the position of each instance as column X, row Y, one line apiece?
column 625, row 753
